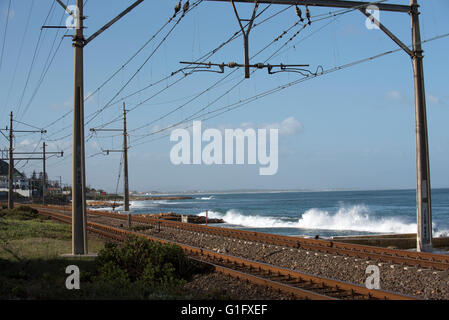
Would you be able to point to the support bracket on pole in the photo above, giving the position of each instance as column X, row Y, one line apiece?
column 388, row 32
column 246, row 34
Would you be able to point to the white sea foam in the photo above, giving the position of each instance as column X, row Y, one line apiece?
column 353, row 218
column 205, row 198
column 101, row 209
column 253, row 221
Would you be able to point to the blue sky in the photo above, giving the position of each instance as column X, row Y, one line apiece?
column 350, row 129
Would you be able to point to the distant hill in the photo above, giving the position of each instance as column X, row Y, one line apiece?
column 4, row 169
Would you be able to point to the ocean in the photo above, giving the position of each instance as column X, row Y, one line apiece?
column 324, row 213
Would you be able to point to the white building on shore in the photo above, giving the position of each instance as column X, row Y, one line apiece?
column 21, row 183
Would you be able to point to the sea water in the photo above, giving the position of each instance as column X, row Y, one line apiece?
column 324, row 213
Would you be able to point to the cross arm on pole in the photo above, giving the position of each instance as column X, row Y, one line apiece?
column 95, row 130
column 31, row 131
column 110, row 23
column 333, row 3
column 22, row 159
column 56, row 152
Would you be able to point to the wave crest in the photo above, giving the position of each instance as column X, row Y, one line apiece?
column 351, row 218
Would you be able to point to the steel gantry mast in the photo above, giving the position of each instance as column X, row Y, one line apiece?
column 423, row 190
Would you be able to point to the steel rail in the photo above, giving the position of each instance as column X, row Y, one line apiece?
column 403, row 257
column 300, row 285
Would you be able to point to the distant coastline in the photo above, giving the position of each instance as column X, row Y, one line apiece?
column 256, row 191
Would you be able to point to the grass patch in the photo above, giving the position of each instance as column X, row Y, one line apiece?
column 32, row 266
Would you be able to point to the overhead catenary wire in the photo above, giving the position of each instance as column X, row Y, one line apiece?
column 93, row 116
column 110, row 103
column 8, row 13
column 327, row 71
column 323, row 17
column 237, row 84
column 47, row 64
column 206, row 90
column 115, row 73
column 20, row 52
column 33, row 60
column 188, row 102
column 246, row 101
column 205, row 56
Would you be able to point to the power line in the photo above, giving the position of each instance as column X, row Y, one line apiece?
column 4, row 35
column 34, row 59
column 140, row 68
column 233, row 87
column 206, row 56
column 46, row 67
column 324, row 16
column 246, row 101
column 122, row 67
column 20, row 52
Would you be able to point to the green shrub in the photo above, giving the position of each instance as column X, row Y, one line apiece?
column 148, row 266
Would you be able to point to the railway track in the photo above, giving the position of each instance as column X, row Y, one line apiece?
column 298, row 285
column 396, row 256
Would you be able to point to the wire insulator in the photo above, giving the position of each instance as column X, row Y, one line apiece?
column 186, row 6
column 177, row 8
column 308, row 15
column 299, row 14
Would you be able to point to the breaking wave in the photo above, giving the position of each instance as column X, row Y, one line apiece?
column 352, row 218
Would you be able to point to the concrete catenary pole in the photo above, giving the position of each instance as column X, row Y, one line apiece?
column 423, row 199
column 44, row 181
column 79, row 236
column 11, row 166
column 125, row 162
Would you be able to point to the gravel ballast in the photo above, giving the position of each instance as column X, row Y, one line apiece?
column 419, row 282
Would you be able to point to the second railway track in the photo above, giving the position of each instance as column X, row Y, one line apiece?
column 401, row 257
column 298, row 285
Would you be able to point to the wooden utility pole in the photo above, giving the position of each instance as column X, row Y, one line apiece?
column 11, row 166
